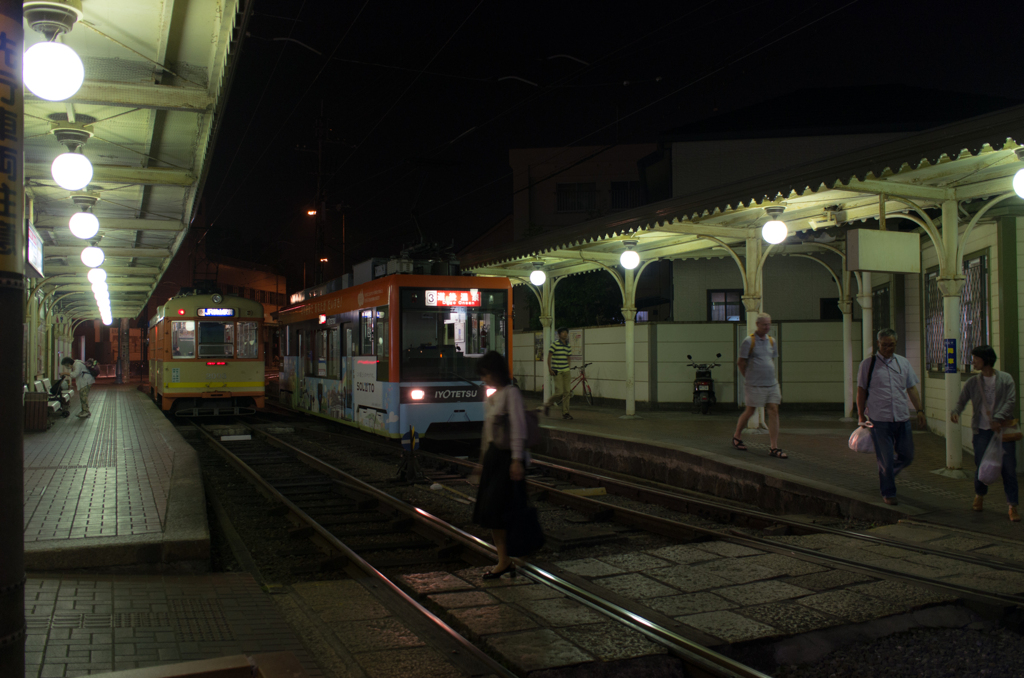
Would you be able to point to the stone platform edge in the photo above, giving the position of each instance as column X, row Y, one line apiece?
column 184, row 543
column 702, row 471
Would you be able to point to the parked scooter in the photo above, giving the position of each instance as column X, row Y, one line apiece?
column 703, row 385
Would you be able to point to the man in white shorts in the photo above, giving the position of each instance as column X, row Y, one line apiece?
column 761, row 388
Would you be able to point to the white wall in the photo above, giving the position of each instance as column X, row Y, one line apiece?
column 811, row 361
column 702, row 341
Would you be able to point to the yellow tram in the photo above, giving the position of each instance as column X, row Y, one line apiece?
column 205, row 356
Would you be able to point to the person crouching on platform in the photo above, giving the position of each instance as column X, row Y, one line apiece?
column 885, row 382
column 77, row 370
column 558, row 367
column 993, row 396
column 502, row 458
column 761, row 387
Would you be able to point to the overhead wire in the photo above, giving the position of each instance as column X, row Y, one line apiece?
column 689, row 84
column 256, row 109
column 284, row 122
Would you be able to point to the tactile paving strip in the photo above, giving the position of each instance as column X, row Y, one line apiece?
column 104, row 447
column 192, row 620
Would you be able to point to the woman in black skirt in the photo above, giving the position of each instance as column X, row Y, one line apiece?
column 503, row 451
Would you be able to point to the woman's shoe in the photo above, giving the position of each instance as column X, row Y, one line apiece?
column 511, row 569
column 1014, row 515
column 979, row 503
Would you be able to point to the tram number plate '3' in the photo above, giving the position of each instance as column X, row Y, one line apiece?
column 703, row 387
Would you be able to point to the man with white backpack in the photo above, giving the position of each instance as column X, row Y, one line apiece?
column 993, row 396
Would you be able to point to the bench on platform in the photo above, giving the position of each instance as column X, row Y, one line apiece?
column 53, row 404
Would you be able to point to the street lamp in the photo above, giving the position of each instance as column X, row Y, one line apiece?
column 629, row 259
column 538, row 276
column 52, row 70
column 775, row 231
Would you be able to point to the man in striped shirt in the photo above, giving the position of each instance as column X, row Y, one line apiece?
column 558, row 366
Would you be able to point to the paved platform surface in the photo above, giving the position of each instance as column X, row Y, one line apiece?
column 78, row 625
column 819, row 459
column 121, row 487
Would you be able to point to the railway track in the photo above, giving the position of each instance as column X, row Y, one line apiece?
column 730, row 514
column 327, row 507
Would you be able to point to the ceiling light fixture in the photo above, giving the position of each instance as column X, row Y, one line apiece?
column 538, row 277
column 84, row 224
column 92, row 257
column 71, row 170
column 1018, row 178
column 629, row 259
column 775, row 231
column 96, row 275
column 52, row 70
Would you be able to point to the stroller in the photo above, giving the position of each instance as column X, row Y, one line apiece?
column 57, row 395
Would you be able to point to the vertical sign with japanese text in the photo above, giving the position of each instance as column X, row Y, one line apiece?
column 12, row 227
column 950, row 345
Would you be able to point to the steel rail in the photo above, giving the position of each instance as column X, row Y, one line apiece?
column 700, row 656
column 354, row 558
column 629, row 488
column 662, row 525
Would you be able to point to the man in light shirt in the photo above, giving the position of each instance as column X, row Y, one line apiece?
column 761, row 387
column 885, row 382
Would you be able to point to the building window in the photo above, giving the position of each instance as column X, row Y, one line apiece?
column 626, row 194
column 725, row 306
column 576, row 197
column 881, row 317
column 974, row 328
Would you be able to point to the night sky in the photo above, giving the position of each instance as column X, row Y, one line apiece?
column 423, row 103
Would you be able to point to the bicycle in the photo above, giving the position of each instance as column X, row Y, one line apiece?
column 582, row 379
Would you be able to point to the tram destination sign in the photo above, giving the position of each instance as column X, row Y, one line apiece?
column 463, row 298
column 216, row 312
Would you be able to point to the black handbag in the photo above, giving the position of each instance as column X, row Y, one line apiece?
column 524, row 536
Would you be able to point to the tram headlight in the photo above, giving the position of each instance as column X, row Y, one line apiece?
column 417, row 394
column 490, row 391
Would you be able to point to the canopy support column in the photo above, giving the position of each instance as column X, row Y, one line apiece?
column 629, row 315
column 752, row 301
column 951, row 283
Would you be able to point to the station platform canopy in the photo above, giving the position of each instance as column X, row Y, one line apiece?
column 156, row 79
column 971, row 160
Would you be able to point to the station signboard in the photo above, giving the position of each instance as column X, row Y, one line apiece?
column 460, row 298
column 33, row 252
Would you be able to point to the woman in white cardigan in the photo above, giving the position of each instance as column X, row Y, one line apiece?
column 993, row 396
column 502, row 456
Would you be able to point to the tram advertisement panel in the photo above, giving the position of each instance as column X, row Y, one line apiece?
column 375, row 402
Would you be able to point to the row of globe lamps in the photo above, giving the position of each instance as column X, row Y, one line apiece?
column 53, row 71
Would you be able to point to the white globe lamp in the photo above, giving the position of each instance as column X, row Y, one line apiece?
column 100, row 288
column 775, row 231
column 71, row 171
column 96, row 275
column 53, row 71
column 629, row 259
column 538, row 277
column 92, row 257
column 84, row 225
column 1018, row 183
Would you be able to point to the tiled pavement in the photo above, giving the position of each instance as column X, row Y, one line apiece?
column 818, row 455
column 79, row 625
column 104, row 476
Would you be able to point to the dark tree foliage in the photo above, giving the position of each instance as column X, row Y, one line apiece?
column 583, row 300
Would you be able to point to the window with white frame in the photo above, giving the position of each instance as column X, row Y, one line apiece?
column 974, row 321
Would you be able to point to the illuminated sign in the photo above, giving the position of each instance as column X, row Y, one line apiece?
column 34, row 251
column 453, row 297
column 216, row 312
column 323, row 319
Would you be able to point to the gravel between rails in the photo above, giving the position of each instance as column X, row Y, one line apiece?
column 923, row 653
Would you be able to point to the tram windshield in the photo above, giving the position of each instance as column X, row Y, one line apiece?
column 441, row 343
column 216, row 338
